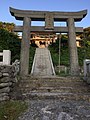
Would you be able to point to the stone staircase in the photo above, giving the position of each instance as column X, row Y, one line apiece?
column 63, row 88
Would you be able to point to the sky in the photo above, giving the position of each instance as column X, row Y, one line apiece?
column 45, row 5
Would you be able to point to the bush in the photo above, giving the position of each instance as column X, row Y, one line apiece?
column 10, row 41
column 64, row 57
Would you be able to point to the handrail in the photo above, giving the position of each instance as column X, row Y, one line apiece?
column 52, row 67
column 33, row 64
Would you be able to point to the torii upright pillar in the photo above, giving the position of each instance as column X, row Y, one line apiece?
column 24, row 62
column 74, row 67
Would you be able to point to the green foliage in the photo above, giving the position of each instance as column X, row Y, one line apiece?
column 11, row 110
column 10, row 41
column 64, row 57
column 62, row 73
column 54, row 48
column 7, row 26
column 83, row 51
column 81, row 55
column 86, row 42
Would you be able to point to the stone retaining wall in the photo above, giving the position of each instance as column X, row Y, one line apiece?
column 8, row 79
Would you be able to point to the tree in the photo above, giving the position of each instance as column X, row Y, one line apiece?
column 64, row 51
column 7, row 26
column 86, row 42
column 10, row 41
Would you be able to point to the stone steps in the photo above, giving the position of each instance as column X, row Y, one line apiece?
column 45, row 78
column 56, row 89
column 60, row 96
column 38, row 84
column 51, row 80
column 47, row 81
column 68, row 88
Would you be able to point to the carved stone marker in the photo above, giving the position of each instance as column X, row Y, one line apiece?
column 49, row 21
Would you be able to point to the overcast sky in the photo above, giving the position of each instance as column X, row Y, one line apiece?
column 49, row 5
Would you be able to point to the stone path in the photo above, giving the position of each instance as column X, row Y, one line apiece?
column 49, row 98
column 56, row 110
column 42, row 65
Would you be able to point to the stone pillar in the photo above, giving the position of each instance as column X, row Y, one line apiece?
column 74, row 67
column 6, row 57
column 24, row 60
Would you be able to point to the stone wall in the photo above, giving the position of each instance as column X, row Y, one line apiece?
column 8, row 79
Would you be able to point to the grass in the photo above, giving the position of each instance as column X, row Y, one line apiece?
column 11, row 110
column 62, row 73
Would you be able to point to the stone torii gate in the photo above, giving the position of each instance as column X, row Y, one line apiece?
column 49, row 17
